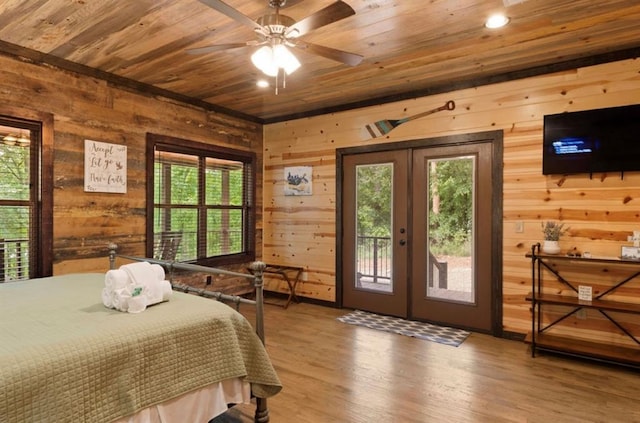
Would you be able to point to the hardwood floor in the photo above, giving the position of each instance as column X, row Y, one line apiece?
column 335, row 372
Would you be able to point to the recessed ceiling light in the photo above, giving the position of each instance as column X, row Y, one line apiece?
column 496, row 21
column 262, row 83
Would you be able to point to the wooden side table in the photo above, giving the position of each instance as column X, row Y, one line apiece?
column 291, row 275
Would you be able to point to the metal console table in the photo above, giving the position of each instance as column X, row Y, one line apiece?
column 541, row 339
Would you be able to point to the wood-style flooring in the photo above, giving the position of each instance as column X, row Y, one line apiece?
column 335, row 372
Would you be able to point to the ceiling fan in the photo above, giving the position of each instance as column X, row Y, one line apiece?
column 276, row 32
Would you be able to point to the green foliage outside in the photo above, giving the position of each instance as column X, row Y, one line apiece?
column 14, row 185
column 373, row 203
column 450, row 227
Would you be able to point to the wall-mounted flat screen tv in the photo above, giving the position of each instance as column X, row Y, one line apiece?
column 602, row 140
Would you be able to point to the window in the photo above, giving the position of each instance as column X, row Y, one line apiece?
column 202, row 202
column 21, row 232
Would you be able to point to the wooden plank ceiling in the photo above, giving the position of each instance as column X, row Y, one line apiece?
column 410, row 47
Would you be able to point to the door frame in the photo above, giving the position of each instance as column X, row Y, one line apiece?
column 495, row 138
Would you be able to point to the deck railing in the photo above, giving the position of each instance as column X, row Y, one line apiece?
column 374, row 255
column 14, row 259
column 374, row 259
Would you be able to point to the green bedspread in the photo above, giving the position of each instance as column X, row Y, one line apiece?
column 64, row 357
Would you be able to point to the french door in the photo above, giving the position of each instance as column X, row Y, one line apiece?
column 375, row 222
column 418, row 233
column 451, row 236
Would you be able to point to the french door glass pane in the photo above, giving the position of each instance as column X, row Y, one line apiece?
column 374, row 199
column 450, row 228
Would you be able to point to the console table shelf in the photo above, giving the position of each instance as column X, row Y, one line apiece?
column 540, row 339
column 594, row 304
column 627, row 356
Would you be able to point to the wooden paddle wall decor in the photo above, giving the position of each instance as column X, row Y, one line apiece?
column 383, row 127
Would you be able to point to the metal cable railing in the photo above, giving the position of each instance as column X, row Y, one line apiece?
column 14, row 259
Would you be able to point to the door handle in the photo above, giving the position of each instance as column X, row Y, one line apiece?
column 403, row 242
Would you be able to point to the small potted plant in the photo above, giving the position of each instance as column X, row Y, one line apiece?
column 552, row 232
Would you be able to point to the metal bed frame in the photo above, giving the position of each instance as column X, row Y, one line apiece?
column 257, row 269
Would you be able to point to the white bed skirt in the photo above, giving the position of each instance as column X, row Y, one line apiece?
column 200, row 405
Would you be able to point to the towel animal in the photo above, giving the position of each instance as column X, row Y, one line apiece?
column 133, row 287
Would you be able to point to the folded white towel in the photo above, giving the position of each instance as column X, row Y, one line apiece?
column 166, row 289
column 116, row 279
column 140, row 273
column 159, row 271
column 137, row 304
column 107, row 298
column 120, row 298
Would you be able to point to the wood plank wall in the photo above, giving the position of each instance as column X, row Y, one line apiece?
column 301, row 230
column 86, row 108
column 601, row 211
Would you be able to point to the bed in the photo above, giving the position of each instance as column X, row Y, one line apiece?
column 65, row 357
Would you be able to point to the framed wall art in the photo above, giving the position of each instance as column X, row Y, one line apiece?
column 298, row 180
column 105, row 167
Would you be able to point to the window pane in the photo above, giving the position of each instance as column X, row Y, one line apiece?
column 450, row 229
column 184, row 184
column 186, row 221
column 19, row 199
column 224, row 232
column 224, row 182
column 176, row 178
column 14, row 242
column 374, row 198
column 177, row 220
column 14, row 172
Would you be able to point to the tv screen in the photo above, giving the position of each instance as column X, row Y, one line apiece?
column 602, row 140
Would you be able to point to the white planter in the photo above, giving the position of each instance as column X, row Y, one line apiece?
column 550, row 247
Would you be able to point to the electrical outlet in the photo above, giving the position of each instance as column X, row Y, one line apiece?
column 581, row 314
column 519, row 226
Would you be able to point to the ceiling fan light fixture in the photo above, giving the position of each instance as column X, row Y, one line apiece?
column 285, row 59
column 263, row 59
column 270, row 59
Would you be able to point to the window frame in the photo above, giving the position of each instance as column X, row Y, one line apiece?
column 201, row 150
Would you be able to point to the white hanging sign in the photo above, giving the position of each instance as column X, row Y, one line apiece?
column 105, row 167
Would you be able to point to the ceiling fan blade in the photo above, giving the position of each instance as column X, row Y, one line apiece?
column 332, row 13
column 220, row 47
column 225, row 9
column 350, row 59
